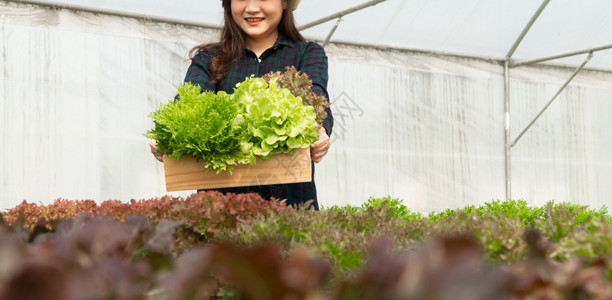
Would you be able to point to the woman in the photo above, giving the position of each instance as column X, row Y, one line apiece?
column 259, row 36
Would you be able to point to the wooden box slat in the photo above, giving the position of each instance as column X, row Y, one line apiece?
column 188, row 174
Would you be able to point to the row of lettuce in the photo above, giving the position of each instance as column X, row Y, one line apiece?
column 211, row 245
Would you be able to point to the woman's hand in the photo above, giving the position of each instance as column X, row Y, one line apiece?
column 158, row 155
column 319, row 149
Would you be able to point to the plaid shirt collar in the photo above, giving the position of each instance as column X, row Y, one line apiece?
column 282, row 40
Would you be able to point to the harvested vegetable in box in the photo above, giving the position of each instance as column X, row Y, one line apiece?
column 259, row 119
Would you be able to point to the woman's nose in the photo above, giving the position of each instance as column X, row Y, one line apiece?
column 252, row 6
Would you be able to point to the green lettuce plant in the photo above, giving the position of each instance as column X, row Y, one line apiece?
column 276, row 120
column 205, row 125
column 260, row 118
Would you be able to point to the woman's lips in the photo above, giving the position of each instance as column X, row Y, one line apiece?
column 254, row 21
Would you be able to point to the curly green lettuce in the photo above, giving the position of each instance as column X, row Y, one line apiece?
column 206, row 125
column 222, row 130
column 277, row 121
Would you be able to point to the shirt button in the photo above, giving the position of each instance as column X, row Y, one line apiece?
column 259, row 59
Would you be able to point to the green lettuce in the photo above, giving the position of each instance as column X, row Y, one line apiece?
column 206, row 125
column 221, row 130
column 277, row 121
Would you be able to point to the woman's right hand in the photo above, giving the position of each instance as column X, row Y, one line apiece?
column 158, row 155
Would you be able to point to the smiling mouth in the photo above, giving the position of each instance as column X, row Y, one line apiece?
column 254, row 20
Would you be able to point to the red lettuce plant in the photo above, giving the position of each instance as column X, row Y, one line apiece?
column 300, row 85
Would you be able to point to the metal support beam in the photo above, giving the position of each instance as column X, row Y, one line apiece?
column 543, row 59
column 340, row 14
column 526, row 29
column 331, row 33
column 507, row 127
column 586, row 60
column 508, row 146
column 115, row 13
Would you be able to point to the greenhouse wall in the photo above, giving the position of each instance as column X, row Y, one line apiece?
column 77, row 89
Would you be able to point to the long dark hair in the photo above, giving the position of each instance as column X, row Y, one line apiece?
column 231, row 45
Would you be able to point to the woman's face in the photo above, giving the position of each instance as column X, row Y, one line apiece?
column 258, row 19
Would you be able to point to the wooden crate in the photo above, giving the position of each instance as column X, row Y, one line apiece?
column 188, row 174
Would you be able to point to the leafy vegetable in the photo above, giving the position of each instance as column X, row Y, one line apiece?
column 300, row 85
column 221, row 130
column 260, row 249
column 277, row 120
column 205, row 125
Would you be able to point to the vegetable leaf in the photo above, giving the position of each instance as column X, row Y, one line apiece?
column 259, row 119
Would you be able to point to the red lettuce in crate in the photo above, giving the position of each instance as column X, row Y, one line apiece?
column 300, row 85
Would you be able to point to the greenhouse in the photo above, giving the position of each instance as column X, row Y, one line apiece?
column 439, row 103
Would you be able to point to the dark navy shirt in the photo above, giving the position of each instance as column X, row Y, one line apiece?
column 307, row 57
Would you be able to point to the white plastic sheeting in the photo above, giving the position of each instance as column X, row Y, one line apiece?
column 482, row 28
column 77, row 89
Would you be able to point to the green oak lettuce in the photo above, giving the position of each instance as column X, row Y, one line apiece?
column 277, row 121
column 206, row 125
column 221, row 130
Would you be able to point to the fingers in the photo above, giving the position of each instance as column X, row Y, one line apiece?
column 317, row 155
column 320, row 148
column 158, row 155
column 322, row 131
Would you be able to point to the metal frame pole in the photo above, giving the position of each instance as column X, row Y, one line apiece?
column 563, row 55
column 526, row 29
column 586, row 60
column 507, row 128
column 331, row 33
column 340, row 14
column 508, row 147
column 115, row 13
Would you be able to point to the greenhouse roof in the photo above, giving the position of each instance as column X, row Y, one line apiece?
column 481, row 28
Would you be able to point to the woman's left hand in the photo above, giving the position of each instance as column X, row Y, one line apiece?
column 319, row 149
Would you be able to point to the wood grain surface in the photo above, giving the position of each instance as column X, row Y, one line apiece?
column 188, row 174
